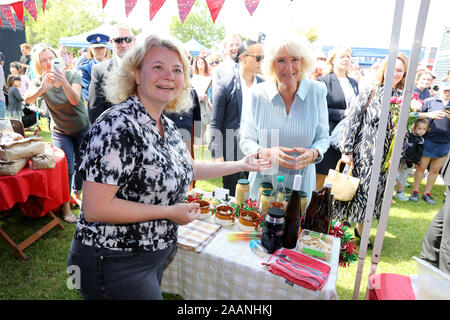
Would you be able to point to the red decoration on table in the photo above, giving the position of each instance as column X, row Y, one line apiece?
column 214, row 8
column 155, row 5
column 251, row 5
column 30, row 5
column 5, row 9
column 348, row 252
column 184, row 7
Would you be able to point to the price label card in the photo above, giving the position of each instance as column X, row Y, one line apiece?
column 222, row 194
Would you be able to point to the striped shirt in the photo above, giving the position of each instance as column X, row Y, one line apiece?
column 265, row 124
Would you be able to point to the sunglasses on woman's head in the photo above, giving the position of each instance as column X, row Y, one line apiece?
column 215, row 62
column 122, row 39
column 258, row 58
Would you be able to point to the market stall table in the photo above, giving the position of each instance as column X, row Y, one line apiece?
column 227, row 270
column 49, row 186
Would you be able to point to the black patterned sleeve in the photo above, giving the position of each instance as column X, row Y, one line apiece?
column 354, row 121
column 110, row 152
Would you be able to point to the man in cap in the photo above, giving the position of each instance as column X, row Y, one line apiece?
column 99, row 46
column 123, row 40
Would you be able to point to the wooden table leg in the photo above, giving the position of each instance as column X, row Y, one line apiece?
column 18, row 249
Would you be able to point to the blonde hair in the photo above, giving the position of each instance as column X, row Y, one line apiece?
column 294, row 45
column 36, row 52
column 119, row 85
column 381, row 71
column 329, row 64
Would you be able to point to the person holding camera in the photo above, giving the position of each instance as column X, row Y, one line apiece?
column 61, row 90
column 437, row 140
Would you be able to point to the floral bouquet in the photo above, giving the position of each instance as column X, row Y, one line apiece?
column 395, row 106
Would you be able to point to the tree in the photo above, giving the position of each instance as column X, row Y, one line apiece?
column 198, row 25
column 61, row 19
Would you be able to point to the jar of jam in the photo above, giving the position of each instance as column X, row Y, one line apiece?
column 264, row 186
column 264, row 201
column 242, row 190
column 273, row 229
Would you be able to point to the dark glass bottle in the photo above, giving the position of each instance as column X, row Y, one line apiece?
column 323, row 222
column 273, row 229
column 311, row 211
column 293, row 215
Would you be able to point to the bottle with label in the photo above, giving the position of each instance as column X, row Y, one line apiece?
column 277, row 195
column 324, row 213
column 293, row 215
column 242, row 190
column 264, row 201
column 312, row 210
column 273, row 229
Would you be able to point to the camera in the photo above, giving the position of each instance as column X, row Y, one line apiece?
column 56, row 64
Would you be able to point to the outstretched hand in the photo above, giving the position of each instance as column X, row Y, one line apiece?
column 252, row 163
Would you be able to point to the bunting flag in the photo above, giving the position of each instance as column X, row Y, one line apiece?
column 104, row 3
column 43, row 5
column 251, row 5
column 129, row 6
column 184, row 7
column 155, row 5
column 5, row 9
column 1, row 24
column 30, row 5
column 18, row 9
column 214, row 8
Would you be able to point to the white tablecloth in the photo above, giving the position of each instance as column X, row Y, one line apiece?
column 230, row 270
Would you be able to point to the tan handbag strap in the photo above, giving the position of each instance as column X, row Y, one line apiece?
column 338, row 167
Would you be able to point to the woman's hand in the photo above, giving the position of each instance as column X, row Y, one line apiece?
column 347, row 158
column 57, row 77
column 183, row 213
column 279, row 156
column 307, row 156
column 439, row 114
column 203, row 98
column 252, row 163
column 47, row 82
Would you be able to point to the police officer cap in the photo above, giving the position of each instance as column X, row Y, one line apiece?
column 98, row 40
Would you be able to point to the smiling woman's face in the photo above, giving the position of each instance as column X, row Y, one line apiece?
column 161, row 77
column 287, row 68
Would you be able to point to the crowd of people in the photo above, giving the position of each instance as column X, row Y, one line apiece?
column 127, row 120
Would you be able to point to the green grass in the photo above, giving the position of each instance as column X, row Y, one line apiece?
column 43, row 275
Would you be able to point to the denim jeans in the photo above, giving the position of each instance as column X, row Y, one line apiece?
column 71, row 147
column 2, row 109
column 106, row 274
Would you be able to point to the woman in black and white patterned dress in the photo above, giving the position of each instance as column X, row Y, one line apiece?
column 136, row 171
column 358, row 146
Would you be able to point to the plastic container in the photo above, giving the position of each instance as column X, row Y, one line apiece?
column 316, row 245
column 433, row 284
column 258, row 249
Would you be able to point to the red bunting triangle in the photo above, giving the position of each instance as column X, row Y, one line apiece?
column 155, row 5
column 184, row 7
column 30, row 5
column 214, row 8
column 5, row 9
column 104, row 3
column 43, row 5
column 18, row 9
column 129, row 6
column 251, row 5
column 1, row 24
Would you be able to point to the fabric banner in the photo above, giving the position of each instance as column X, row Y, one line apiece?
column 104, row 3
column 129, row 6
column 30, row 5
column 251, row 5
column 43, row 5
column 214, row 8
column 5, row 9
column 184, row 7
column 18, row 9
column 155, row 5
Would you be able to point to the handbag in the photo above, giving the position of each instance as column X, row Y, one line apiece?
column 344, row 185
column 337, row 133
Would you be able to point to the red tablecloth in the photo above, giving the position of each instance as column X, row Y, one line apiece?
column 49, row 185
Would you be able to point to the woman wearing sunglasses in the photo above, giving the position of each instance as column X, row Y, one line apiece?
column 285, row 118
column 229, row 95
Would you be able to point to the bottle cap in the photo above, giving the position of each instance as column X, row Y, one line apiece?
column 266, row 185
column 328, row 184
column 267, row 192
column 276, row 212
column 243, row 181
column 280, row 178
column 297, row 182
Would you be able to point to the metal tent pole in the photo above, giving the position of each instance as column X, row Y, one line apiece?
column 399, row 137
column 388, row 81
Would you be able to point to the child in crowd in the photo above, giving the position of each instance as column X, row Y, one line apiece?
column 412, row 151
column 15, row 107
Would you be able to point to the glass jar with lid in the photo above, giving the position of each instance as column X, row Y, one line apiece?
column 242, row 190
column 264, row 186
column 273, row 229
column 264, row 201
